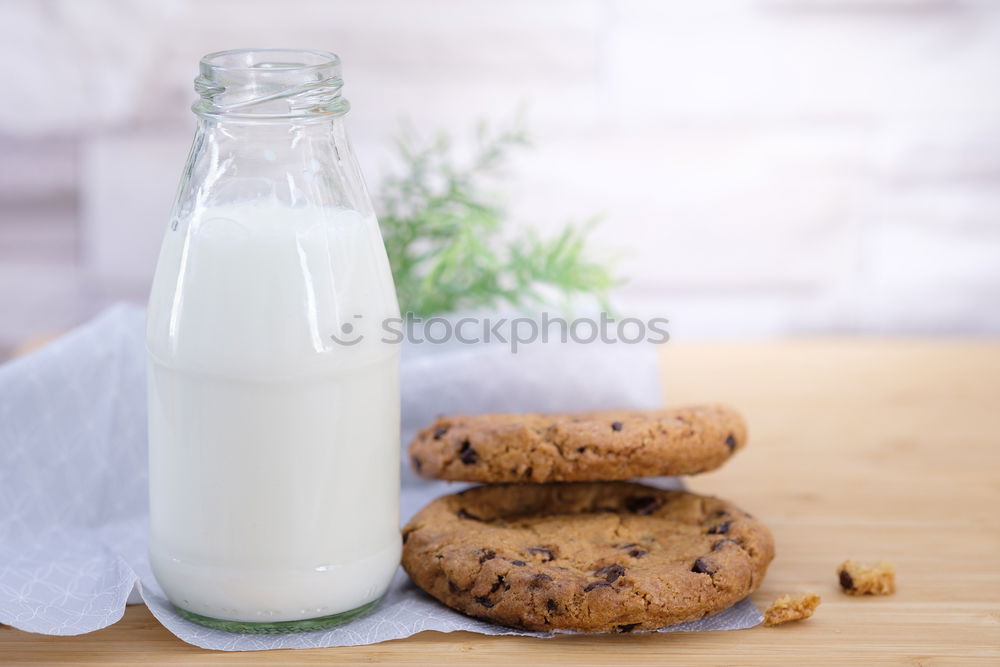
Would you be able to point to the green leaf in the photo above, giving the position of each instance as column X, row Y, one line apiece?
column 451, row 247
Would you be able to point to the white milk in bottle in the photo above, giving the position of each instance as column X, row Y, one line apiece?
column 273, row 398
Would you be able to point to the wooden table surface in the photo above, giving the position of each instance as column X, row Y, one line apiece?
column 862, row 449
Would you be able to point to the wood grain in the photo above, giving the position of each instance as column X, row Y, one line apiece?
column 860, row 449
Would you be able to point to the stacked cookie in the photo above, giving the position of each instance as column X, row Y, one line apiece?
column 556, row 539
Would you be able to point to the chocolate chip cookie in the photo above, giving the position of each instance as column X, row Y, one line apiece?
column 589, row 557
column 594, row 446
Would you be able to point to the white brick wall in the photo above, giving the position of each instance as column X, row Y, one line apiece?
column 767, row 166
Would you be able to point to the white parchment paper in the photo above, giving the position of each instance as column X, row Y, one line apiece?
column 73, row 506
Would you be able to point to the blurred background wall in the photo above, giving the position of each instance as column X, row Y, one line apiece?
column 770, row 167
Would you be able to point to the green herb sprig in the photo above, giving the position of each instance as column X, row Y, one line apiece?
column 450, row 245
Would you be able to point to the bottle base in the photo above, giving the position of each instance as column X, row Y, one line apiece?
column 279, row 627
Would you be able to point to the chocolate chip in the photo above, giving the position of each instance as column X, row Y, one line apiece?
column 439, row 556
column 415, row 460
column 452, row 586
column 596, row 584
column 643, row 504
column 721, row 543
column 616, row 426
column 544, row 552
column 485, row 601
column 610, row 572
column 466, row 454
column 528, row 471
column 406, row 536
column 550, row 604
column 519, row 563
column 730, row 442
column 440, row 431
column 497, row 585
column 627, row 627
column 581, row 450
column 637, row 553
column 462, row 514
column 488, row 554
column 846, row 580
column 701, row 566
column 720, row 529
column 540, row 579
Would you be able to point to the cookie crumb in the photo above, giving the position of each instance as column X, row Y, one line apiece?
column 867, row 579
column 787, row 608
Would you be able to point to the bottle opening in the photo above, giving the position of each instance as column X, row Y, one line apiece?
column 270, row 84
column 271, row 59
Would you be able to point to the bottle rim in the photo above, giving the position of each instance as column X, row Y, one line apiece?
column 213, row 60
column 270, row 84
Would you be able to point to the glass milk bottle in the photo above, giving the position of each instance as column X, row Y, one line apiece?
column 273, row 396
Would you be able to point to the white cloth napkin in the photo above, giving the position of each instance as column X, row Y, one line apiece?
column 73, row 506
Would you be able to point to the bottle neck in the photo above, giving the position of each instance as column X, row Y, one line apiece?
column 271, row 132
